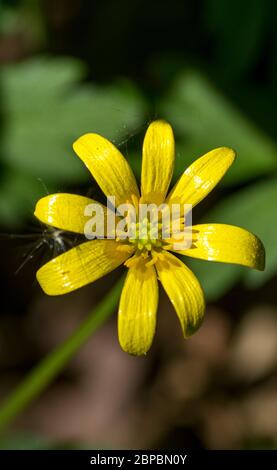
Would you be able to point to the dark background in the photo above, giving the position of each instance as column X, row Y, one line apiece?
column 210, row 68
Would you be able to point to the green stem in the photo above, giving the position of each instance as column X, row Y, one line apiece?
column 42, row 375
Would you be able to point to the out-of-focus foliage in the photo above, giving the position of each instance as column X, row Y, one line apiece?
column 23, row 442
column 203, row 119
column 16, row 16
column 46, row 109
column 237, row 48
column 253, row 208
column 18, row 193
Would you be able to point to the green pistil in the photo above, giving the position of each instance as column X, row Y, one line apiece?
column 145, row 235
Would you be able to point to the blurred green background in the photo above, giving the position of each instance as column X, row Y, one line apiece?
column 209, row 67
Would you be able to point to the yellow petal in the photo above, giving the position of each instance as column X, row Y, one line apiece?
column 137, row 309
column 108, row 166
column 64, row 211
column 80, row 266
column 157, row 162
column 184, row 292
column 201, row 177
column 227, row 244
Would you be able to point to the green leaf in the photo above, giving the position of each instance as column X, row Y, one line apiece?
column 215, row 278
column 18, row 195
column 203, row 119
column 236, row 53
column 24, row 441
column 253, row 208
column 47, row 109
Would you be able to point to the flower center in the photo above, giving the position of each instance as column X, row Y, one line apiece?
column 147, row 238
column 145, row 235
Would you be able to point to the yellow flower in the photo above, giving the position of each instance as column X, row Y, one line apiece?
column 149, row 260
